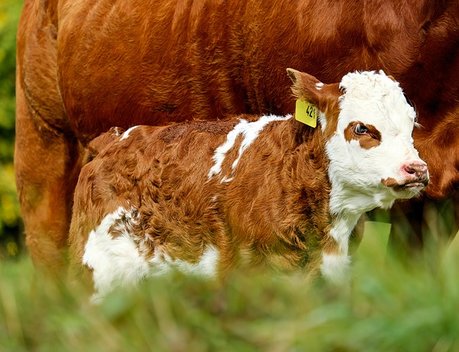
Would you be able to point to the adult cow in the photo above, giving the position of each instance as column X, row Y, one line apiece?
column 84, row 66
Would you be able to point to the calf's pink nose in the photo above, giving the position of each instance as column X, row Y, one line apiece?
column 417, row 169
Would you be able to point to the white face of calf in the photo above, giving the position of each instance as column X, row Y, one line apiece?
column 372, row 150
column 372, row 157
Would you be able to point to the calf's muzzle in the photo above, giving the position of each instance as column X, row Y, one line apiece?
column 416, row 172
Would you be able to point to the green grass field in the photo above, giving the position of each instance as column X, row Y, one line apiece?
column 387, row 307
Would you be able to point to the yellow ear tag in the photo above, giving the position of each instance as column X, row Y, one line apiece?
column 306, row 113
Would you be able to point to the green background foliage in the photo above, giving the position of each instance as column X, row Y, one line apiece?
column 10, row 223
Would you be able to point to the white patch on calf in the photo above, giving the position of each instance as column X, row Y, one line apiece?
column 207, row 266
column 335, row 268
column 341, row 229
column 220, row 152
column 250, row 132
column 226, row 179
column 322, row 121
column 127, row 133
column 113, row 260
column 117, row 261
column 117, row 131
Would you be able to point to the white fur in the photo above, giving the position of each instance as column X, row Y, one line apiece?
column 249, row 132
column 113, row 261
column 322, row 121
column 127, row 133
column 118, row 261
column 341, row 229
column 220, row 152
column 207, row 266
column 335, row 268
column 319, row 85
column 117, row 131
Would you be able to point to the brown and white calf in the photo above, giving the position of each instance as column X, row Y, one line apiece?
column 205, row 197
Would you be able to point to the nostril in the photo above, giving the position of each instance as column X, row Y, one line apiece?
column 409, row 168
column 416, row 168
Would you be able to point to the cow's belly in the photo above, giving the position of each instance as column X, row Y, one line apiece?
column 123, row 64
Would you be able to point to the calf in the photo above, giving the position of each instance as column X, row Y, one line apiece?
column 205, row 197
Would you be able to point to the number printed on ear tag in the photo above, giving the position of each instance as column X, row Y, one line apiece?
column 306, row 113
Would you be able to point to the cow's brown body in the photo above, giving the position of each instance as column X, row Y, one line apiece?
column 86, row 66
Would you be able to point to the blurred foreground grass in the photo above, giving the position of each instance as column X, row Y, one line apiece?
column 389, row 307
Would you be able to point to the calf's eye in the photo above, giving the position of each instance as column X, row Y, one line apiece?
column 367, row 135
column 360, row 129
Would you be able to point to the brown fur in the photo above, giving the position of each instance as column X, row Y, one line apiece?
column 84, row 66
column 390, row 182
column 368, row 140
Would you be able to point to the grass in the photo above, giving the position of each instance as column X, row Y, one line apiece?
column 388, row 307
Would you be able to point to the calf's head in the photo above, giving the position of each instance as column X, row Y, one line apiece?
column 367, row 124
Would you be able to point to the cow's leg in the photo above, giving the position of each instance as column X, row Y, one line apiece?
column 47, row 166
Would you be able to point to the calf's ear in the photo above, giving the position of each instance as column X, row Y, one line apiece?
column 305, row 86
column 309, row 88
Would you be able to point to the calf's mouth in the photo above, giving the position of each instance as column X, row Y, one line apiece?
column 418, row 183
